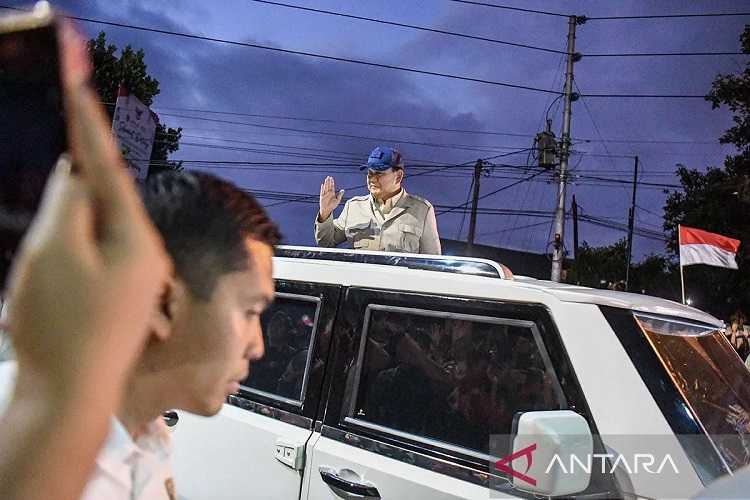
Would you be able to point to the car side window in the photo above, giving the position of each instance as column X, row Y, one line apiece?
column 288, row 335
column 451, row 378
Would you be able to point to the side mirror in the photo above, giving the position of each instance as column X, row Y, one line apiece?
column 551, row 453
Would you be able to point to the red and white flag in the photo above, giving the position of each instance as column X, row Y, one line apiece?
column 701, row 247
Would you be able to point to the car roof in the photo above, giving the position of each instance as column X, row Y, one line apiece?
column 421, row 273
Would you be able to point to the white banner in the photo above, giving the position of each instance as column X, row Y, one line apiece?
column 134, row 128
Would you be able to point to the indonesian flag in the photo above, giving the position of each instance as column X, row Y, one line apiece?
column 701, row 247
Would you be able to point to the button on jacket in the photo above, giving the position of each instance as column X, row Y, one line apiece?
column 409, row 226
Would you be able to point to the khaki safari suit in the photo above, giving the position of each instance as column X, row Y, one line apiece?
column 408, row 226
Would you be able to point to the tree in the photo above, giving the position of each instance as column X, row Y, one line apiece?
column 131, row 69
column 604, row 267
column 718, row 200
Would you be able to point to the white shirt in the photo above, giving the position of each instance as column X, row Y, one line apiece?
column 133, row 470
column 125, row 469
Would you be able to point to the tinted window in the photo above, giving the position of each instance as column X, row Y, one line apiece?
column 288, row 329
column 715, row 383
column 451, row 378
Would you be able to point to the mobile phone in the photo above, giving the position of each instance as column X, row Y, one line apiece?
column 32, row 123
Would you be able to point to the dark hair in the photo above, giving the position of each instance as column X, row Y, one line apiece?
column 204, row 222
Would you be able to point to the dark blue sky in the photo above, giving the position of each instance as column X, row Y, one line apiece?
column 212, row 76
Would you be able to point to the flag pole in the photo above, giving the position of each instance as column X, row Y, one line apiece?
column 679, row 248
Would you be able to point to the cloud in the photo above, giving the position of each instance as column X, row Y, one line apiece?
column 199, row 74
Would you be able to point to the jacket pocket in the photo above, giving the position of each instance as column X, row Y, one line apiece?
column 410, row 236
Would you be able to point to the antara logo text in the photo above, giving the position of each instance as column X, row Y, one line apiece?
column 605, row 462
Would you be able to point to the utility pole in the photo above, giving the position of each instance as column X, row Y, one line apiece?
column 478, row 166
column 559, row 236
column 576, row 253
column 574, row 209
column 631, row 222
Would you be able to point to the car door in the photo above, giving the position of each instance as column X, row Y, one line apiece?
column 423, row 392
column 254, row 448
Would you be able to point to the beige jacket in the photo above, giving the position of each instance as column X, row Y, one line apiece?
column 409, row 227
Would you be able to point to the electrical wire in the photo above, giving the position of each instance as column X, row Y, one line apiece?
column 506, row 7
column 435, row 129
column 425, row 172
column 623, row 181
column 306, row 54
column 467, row 147
column 662, row 54
column 645, row 96
column 669, row 16
column 513, row 228
column 410, row 26
column 374, row 64
column 344, row 122
column 503, row 188
column 593, row 122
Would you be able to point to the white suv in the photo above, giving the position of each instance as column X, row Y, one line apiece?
column 423, row 377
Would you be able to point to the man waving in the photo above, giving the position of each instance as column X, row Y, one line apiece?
column 388, row 219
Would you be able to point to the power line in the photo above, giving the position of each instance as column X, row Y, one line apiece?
column 345, row 122
column 423, row 173
column 505, row 7
column 660, row 216
column 480, row 148
column 623, row 181
column 669, row 16
column 596, row 127
column 663, row 54
column 418, row 127
column 485, row 39
column 503, row 188
column 287, row 197
column 307, row 54
column 650, row 141
column 370, row 63
column 646, row 96
column 608, row 223
column 343, row 154
column 514, row 228
column 410, row 26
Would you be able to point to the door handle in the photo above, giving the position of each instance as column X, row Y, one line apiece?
column 349, row 485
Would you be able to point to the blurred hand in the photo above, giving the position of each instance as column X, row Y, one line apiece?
column 89, row 271
column 329, row 199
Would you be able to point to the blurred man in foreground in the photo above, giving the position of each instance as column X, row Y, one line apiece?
column 84, row 283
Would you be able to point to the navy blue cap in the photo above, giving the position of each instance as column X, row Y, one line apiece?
column 382, row 158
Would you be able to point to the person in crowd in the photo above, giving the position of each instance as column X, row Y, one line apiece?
column 204, row 333
column 279, row 352
column 84, row 283
column 388, row 219
column 739, row 336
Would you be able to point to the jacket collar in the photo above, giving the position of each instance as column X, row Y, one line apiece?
column 403, row 203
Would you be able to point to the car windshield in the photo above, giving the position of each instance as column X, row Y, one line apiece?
column 710, row 377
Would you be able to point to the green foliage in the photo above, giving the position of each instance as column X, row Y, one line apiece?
column 604, row 267
column 718, row 200
column 131, row 69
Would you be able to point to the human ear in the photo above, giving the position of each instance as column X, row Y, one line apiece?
column 162, row 318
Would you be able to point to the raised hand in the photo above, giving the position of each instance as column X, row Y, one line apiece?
column 329, row 199
column 89, row 272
